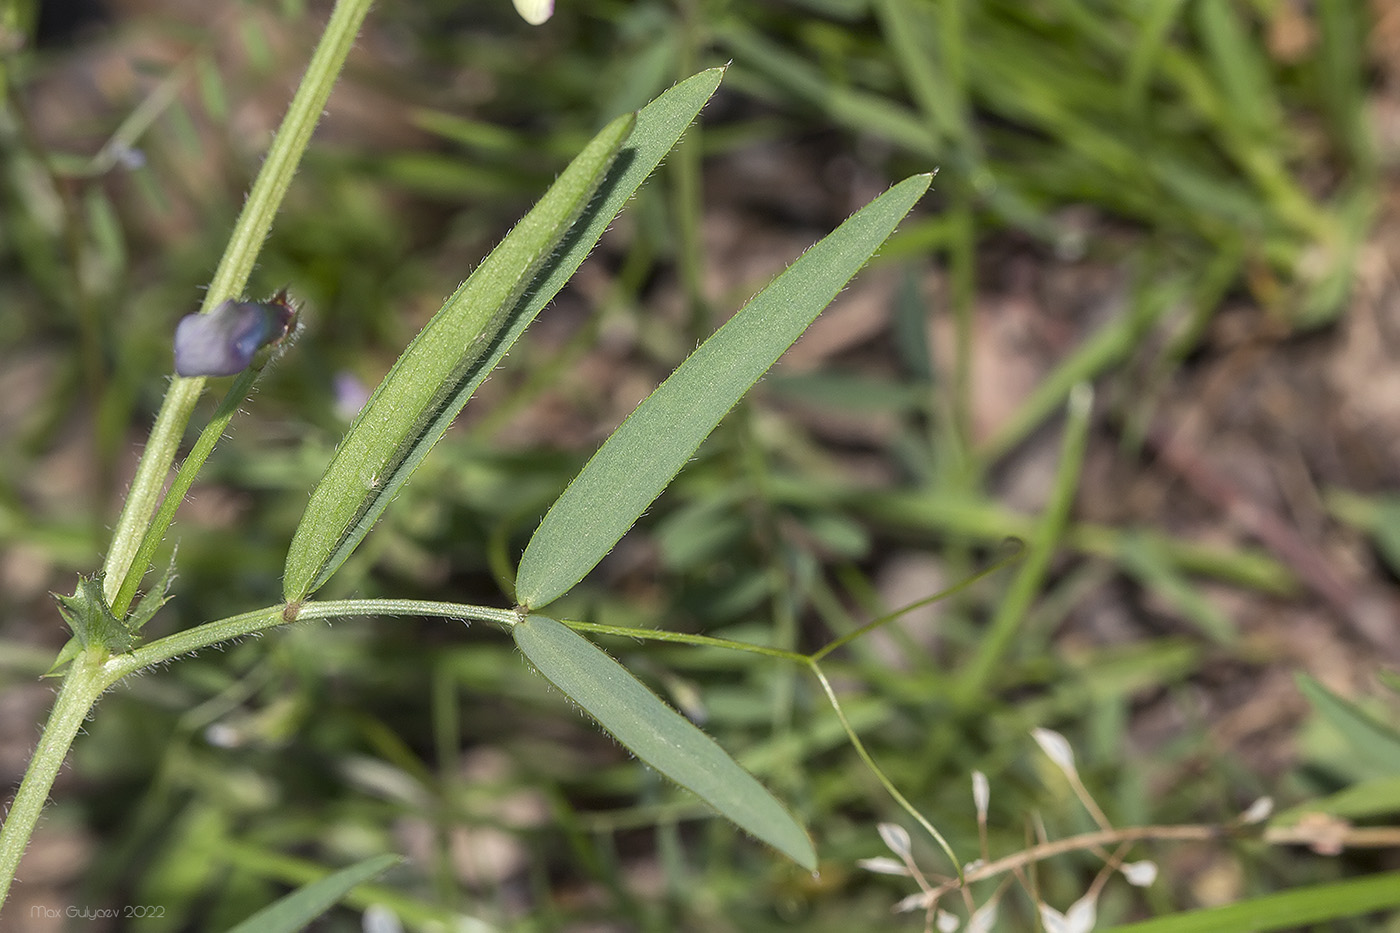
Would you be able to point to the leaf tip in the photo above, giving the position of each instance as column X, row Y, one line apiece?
column 807, row 856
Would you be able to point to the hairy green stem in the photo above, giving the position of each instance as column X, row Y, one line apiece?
column 229, row 279
column 705, row 641
column 334, row 608
column 93, row 672
column 155, row 532
column 260, row 620
column 81, row 688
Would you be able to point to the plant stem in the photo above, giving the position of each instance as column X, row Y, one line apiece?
column 1014, row 554
column 93, row 671
column 405, row 607
column 875, row 769
column 82, row 686
column 229, row 279
column 268, row 617
column 706, row 641
column 155, row 532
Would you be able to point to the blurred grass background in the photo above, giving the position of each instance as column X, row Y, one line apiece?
column 1188, row 203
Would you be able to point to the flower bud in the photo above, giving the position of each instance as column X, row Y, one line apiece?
column 225, row 341
column 534, row 12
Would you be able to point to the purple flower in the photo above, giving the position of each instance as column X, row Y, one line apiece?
column 224, row 341
column 350, row 395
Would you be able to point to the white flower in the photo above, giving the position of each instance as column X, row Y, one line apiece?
column 1056, row 748
column 534, row 12
column 380, row 919
column 983, row 919
column 896, row 837
column 981, row 794
column 1140, row 874
column 912, row 902
column 1080, row 918
column 883, row 866
column 1259, row 811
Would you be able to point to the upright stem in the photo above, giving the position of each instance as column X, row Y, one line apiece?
column 81, row 687
column 94, row 670
column 229, row 279
column 155, row 531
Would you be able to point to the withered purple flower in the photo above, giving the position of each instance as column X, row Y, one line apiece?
column 225, row 341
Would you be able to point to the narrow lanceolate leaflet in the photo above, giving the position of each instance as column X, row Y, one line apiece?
column 435, row 376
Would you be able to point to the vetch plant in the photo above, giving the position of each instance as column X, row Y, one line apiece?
column 410, row 410
column 1025, row 136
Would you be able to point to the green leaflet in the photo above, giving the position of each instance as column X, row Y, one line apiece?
column 431, row 381
column 649, row 448
column 350, row 498
column 659, row 735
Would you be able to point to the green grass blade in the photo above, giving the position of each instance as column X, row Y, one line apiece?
column 658, row 735
column 942, row 99
column 1342, row 69
column 1240, row 69
column 642, row 456
column 1367, row 800
column 1368, row 737
column 1104, row 349
column 995, row 646
column 1290, row 910
column 1152, row 32
column 1146, row 560
column 424, row 391
column 305, row 904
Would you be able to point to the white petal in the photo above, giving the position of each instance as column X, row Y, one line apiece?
column 1082, row 914
column 883, row 866
column 981, row 793
column 380, row 919
column 222, row 735
column 912, row 902
column 1140, row 874
column 983, row 919
column 946, row 922
column 534, row 12
column 1056, row 748
column 896, row 837
column 1052, row 920
column 1259, row 811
